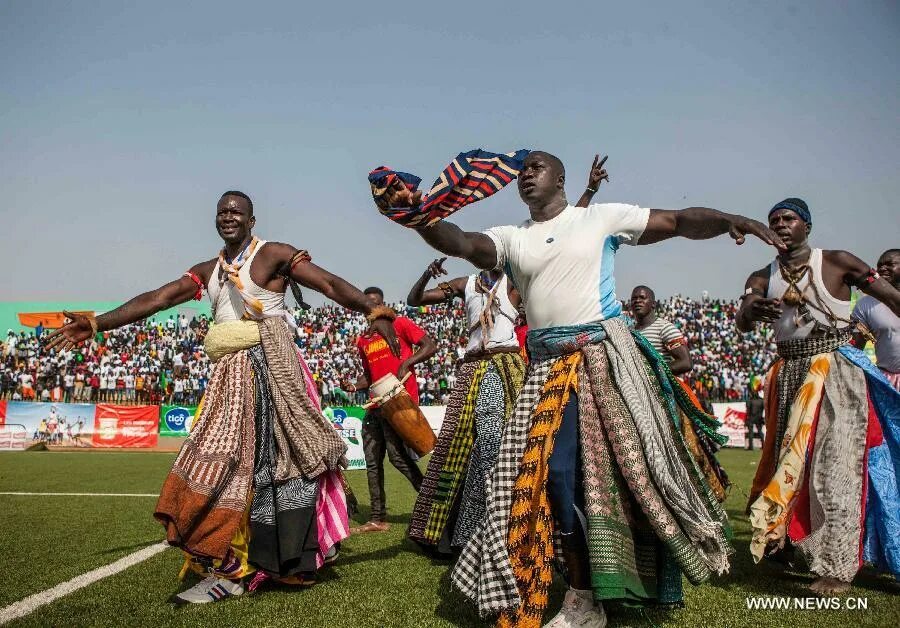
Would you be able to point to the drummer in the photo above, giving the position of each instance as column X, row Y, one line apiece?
column 377, row 434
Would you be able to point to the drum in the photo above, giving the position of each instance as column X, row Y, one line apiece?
column 398, row 409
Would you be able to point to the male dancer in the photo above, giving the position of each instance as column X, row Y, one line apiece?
column 826, row 479
column 377, row 434
column 699, row 432
column 256, row 486
column 451, row 501
column 591, row 430
column 662, row 334
column 488, row 383
column 883, row 324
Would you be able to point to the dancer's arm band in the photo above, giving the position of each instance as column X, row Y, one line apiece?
column 751, row 291
column 447, row 289
column 199, row 294
column 865, row 279
column 299, row 256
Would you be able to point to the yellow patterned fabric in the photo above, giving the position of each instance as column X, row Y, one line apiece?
column 770, row 512
column 530, row 537
column 235, row 565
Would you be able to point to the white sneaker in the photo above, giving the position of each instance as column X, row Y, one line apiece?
column 578, row 611
column 212, row 589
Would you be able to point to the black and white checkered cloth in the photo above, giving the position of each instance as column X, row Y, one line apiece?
column 483, row 572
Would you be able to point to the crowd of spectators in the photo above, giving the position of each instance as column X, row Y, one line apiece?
column 728, row 365
column 149, row 362
column 164, row 362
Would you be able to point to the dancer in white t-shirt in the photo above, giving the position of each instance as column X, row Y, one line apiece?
column 590, row 432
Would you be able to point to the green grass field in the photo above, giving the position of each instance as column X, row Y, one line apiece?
column 380, row 579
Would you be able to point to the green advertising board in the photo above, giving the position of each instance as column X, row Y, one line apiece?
column 175, row 420
column 348, row 421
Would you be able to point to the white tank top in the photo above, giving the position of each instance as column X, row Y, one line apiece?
column 226, row 301
column 503, row 333
column 786, row 327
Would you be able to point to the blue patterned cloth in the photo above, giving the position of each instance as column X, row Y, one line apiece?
column 553, row 342
column 881, row 541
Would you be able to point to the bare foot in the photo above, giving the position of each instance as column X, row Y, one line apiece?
column 829, row 586
column 372, row 526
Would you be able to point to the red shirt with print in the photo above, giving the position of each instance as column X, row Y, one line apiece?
column 378, row 360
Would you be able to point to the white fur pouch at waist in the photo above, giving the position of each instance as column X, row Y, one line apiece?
column 229, row 337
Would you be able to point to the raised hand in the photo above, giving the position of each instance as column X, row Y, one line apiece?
column 398, row 195
column 743, row 226
column 765, row 310
column 598, row 174
column 76, row 331
column 436, row 268
column 385, row 328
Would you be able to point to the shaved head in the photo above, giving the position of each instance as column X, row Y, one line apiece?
column 552, row 160
column 647, row 289
column 240, row 194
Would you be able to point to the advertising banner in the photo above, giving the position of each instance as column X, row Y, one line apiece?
column 176, row 420
column 348, row 420
column 734, row 418
column 13, row 437
column 67, row 424
column 125, row 426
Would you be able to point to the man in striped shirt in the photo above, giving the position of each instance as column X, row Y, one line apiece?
column 663, row 335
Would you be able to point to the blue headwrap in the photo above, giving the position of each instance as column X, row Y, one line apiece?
column 796, row 205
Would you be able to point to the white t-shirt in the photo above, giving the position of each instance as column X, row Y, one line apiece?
column 563, row 267
column 885, row 326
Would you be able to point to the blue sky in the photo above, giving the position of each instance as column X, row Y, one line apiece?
column 121, row 126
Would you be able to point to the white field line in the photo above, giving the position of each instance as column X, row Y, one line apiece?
column 33, row 602
column 86, row 494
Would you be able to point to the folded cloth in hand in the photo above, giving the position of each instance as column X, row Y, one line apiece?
column 470, row 177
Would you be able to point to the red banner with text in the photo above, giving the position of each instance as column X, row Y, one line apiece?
column 125, row 426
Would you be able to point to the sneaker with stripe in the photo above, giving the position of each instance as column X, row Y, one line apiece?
column 212, row 589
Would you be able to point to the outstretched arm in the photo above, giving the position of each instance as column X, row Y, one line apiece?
column 418, row 295
column 703, row 223
column 343, row 293
column 596, row 176
column 284, row 260
column 182, row 290
column 474, row 247
column 856, row 273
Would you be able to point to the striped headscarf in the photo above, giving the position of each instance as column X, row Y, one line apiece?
column 471, row 177
column 796, row 205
